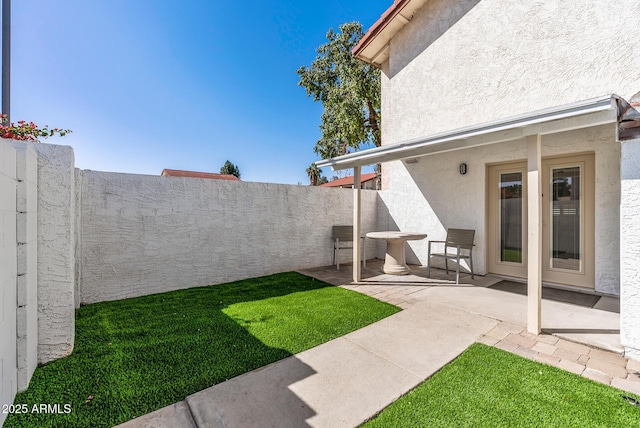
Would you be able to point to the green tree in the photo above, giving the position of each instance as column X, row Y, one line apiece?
column 315, row 175
column 229, row 168
column 349, row 90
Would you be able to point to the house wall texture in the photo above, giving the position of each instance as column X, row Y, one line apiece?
column 8, row 275
column 457, row 65
column 432, row 196
column 475, row 61
column 146, row 234
column 481, row 60
column 630, row 242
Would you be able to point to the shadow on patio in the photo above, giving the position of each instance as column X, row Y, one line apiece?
column 578, row 317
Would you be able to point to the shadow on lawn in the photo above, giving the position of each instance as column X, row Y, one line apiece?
column 137, row 355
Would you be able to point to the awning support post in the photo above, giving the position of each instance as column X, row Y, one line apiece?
column 357, row 208
column 534, row 230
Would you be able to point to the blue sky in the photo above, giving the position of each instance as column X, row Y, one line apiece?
column 153, row 84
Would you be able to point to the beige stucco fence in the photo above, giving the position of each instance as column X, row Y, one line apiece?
column 145, row 234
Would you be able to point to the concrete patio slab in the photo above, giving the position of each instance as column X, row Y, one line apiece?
column 591, row 326
column 175, row 415
column 585, row 325
column 257, row 396
column 424, row 337
column 337, row 384
column 495, row 304
column 352, row 384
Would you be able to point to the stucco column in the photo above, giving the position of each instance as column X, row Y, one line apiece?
column 357, row 208
column 56, row 251
column 630, row 247
column 534, row 227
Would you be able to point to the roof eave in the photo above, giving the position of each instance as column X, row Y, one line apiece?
column 373, row 47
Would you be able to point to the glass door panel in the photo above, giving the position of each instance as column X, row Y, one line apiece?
column 568, row 239
column 511, row 219
column 507, row 219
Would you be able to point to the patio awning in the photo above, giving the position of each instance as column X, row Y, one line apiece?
column 582, row 114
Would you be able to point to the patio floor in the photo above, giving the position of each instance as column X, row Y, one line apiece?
column 399, row 290
column 582, row 340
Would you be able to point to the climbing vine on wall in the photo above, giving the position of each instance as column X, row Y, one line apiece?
column 28, row 131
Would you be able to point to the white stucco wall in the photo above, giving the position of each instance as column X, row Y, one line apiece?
column 431, row 195
column 630, row 244
column 8, row 275
column 474, row 61
column 146, row 234
column 56, row 246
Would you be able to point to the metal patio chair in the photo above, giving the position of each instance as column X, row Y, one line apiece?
column 341, row 235
column 462, row 241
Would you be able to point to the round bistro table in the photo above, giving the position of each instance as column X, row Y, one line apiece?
column 395, row 261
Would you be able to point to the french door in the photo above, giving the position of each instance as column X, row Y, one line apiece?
column 567, row 220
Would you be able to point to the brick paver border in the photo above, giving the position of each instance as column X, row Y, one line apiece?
column 596, row 364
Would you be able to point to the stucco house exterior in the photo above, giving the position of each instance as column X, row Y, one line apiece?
column 520, row 120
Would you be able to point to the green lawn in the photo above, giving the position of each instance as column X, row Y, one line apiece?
column 137, row 355
column 488, row 387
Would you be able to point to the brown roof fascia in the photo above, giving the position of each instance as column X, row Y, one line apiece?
column 348, row 180
column 379, row 25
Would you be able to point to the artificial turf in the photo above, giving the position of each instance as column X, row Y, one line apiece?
column 137, row 355
column 488, row 387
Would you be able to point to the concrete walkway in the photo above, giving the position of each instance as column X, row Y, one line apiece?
column 346, row 381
